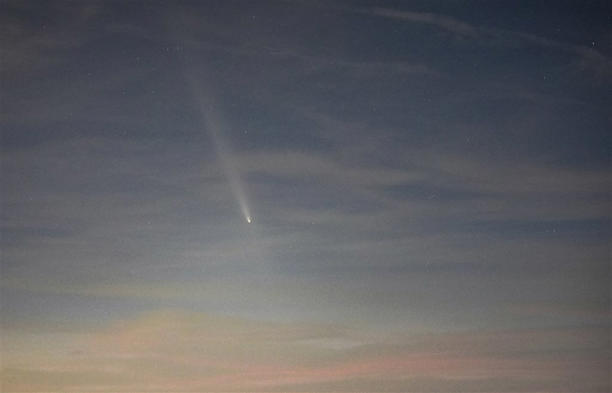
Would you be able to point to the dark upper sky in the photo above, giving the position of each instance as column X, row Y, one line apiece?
column 425, row 180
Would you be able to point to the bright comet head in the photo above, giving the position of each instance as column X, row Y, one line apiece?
column 249, row 219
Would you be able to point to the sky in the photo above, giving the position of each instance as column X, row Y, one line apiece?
column 306, row 196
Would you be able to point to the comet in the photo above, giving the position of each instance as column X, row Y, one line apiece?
column 214, row 124
column 201, row 86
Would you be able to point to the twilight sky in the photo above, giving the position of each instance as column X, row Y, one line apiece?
column 428, row 182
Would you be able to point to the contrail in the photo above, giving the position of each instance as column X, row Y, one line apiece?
column 214, row 125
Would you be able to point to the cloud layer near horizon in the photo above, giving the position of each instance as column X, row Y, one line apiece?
column 185, row 351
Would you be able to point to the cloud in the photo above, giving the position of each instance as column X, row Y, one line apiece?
column 140, row 212
column 187, row 351
column 29, row 47
column 440, row 21
column 588, row 59
column 387, row 195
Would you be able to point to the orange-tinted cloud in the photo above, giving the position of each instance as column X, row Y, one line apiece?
column 180, row 351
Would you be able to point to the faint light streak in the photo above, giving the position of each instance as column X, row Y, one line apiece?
column 214, row 124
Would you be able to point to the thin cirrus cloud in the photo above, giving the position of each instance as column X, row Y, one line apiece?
column 589, row 60
column 432, row 214
column 441, row 21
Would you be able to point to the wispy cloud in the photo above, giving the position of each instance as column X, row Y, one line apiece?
column 440, row 21
column 589, row 59
column 401, row 186
column 145, row 353
column 34, row 47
